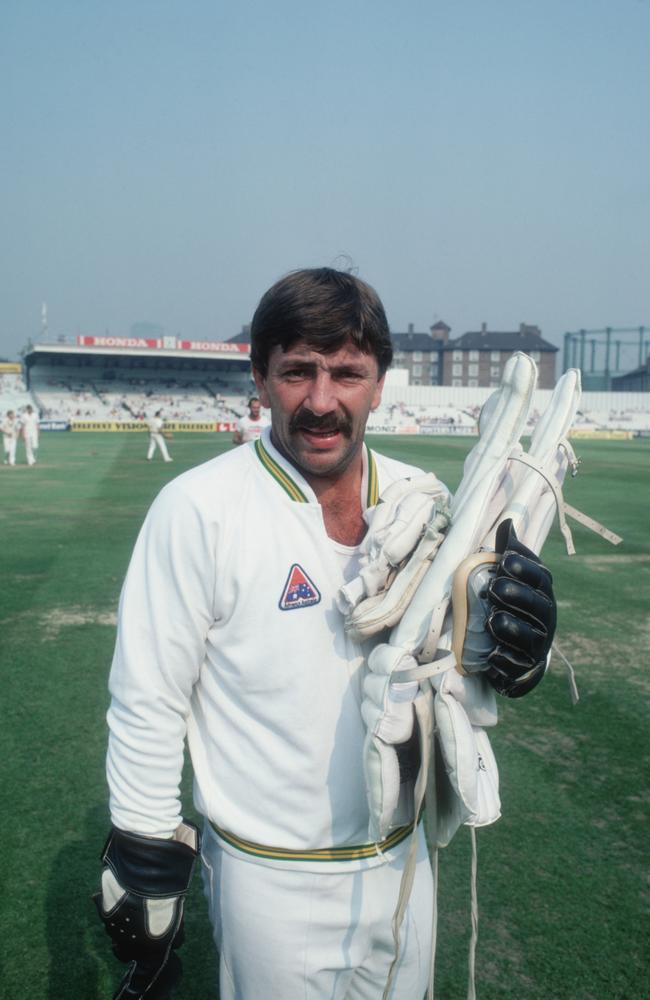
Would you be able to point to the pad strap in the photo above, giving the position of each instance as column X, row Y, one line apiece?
column 563, row 508
column 556, row 489
column 592, row 524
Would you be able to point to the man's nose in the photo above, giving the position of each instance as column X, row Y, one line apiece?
column 321, row 397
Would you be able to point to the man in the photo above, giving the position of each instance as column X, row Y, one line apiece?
column 157, row 437
column 250, row 426
column 229, row 633
column 10, row 428
column 30, row 433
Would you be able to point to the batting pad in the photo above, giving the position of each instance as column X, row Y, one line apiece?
column 485, row 472
column 452, row 710
column 501, row 426
column 461, row 778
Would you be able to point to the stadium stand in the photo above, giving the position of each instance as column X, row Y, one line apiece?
column 13, row 393
column 199, row 384
column 401, row 417
column 451, row 410
column 193, row 384
column 125, row 401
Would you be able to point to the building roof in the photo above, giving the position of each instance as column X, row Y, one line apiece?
column 415, row 342
column 526, row 338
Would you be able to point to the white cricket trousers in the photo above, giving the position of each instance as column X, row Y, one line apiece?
column 10, row 450
column 157, row 439
column 294, row 935
column 31, row 445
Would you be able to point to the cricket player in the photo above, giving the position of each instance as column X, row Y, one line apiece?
column 157, row 438
column 10, row 430
column 230, row 637
column 250, row 426
column 29, row 430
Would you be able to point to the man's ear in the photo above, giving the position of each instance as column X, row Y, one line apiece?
column 260, row 385
column 376, row 399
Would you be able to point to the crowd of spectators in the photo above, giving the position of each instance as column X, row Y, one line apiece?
column 221, row 401
column 135, row 399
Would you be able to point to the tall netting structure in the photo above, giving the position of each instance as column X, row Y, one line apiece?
column 602, row 355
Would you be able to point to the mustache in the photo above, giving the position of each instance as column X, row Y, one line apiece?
column 305, row 420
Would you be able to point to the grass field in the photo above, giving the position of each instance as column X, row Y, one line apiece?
column 563, row 888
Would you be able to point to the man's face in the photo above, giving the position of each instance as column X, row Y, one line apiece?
column 319, row 404
column 254, row 408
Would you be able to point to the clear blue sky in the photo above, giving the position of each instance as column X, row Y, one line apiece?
column 477, row 160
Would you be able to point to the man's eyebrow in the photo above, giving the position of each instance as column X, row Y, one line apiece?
column 293, row 364
column 309, row 363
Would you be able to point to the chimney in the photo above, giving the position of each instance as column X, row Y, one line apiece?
column 440, row 332
column 410, row 329
column 484, row 329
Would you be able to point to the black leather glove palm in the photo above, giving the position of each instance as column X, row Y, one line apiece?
column 522, row 617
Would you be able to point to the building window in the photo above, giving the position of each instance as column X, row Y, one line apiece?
column 473, row 355
column 494, row 382
column 495, row 371
column 398, row 356
column 417, row 355
column 433, row 368
column 417, row 369
column 456, row 382
column 457, row 356
column 456, row 369
column 472, row 382
column 535, row 355
column 495, row 355
column 472, row 369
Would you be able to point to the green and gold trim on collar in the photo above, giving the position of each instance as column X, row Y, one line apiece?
column 281, row 477
column 352, row 853
column 292, row 489
column 373, row 480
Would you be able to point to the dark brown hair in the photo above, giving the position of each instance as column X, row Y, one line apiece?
column 325, row 308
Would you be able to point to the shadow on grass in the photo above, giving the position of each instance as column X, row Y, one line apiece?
column 79, row 950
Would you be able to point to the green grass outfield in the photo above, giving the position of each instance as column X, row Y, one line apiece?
column 563, row 888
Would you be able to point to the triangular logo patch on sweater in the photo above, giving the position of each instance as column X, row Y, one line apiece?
column 299, row 591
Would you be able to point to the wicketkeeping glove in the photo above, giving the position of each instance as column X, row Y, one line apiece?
column 396, row 525
column 144, row 883
column 522, row 616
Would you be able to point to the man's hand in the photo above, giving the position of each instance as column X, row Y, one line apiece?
column 144, row 882
column 522, row 617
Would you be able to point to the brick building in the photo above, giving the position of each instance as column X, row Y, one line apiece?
column 421, row 353
column 474, row 359
column 477, row 358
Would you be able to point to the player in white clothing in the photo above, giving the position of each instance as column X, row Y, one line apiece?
column 250, row 426
column 229, row 635
column 157, row 437
column 29, row 430
column 10, row 430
